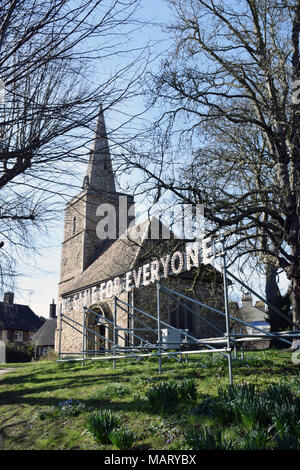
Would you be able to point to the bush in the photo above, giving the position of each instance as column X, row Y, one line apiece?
column 240, row 404
column 122, row 438
column 18, row 353
column 206, row 440
column 187, row 389
column 163, row 396
column 284, row 417
column 257, row 439
column 279, row 393
column 101, row 423
column 166, row 395
column 236, row 393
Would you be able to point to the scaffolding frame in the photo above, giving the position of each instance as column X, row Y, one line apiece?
column 114, row 351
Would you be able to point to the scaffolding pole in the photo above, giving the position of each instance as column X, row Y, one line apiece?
column 83, row 336
column 115, row 332
column 227, row 311
column 158, row 326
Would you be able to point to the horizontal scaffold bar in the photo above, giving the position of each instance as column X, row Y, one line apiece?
column 165, row 324
column 223, row 314
column 125, row 356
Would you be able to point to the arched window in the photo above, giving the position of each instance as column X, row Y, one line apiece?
column 74, row 225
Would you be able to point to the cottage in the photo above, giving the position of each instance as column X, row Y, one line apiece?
column 18, row 323
column 44, row 339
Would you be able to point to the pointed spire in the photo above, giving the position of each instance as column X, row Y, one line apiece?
column 100, row 176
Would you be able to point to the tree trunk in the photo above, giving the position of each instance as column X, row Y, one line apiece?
column 274, row 297
column 295, row 300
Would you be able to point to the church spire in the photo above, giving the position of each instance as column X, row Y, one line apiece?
column 100, row 176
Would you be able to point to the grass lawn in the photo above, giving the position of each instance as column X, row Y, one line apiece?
column 33, row 415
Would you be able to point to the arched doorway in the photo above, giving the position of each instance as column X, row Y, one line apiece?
column 100, row 334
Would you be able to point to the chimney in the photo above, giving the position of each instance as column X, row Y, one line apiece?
column 259, row 304
column 52, row 310
column 8, row 298
column 246, row 296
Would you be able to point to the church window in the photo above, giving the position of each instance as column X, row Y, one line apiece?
column 74, row 225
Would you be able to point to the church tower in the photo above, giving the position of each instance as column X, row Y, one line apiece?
column 82, row 245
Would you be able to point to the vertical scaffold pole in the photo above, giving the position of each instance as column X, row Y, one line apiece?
column 60, row 329
column 158, row 328
column 83, row 335
column 114, row 333
column 227, row 310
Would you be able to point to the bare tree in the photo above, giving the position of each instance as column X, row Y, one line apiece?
column 58, row 61
column 235, row 63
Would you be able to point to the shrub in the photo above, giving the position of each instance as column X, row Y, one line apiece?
column 18, row 353
column 236, row 393
column 251, row 413
column 284, row 417
column 101, row 423
column 163, row 396
column 187, row 389
column 257, row 439
column 206, row 440
column 241, row 404
column 279, row 393
column 122, row 438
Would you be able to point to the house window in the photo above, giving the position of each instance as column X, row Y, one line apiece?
column 74, row 225
column 18, row 336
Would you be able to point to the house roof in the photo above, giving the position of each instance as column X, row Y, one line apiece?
column 253, row 313
column 18, row 317
column 45, row 336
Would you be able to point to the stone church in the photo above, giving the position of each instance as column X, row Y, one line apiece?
column 126, row 265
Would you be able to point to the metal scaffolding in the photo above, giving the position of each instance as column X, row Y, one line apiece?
column 135, row 345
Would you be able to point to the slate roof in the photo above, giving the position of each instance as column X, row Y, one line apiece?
column 18, row 317
column 45, row 336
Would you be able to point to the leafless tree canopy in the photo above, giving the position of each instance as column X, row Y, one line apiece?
column 227, row 93
column 59, row 59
